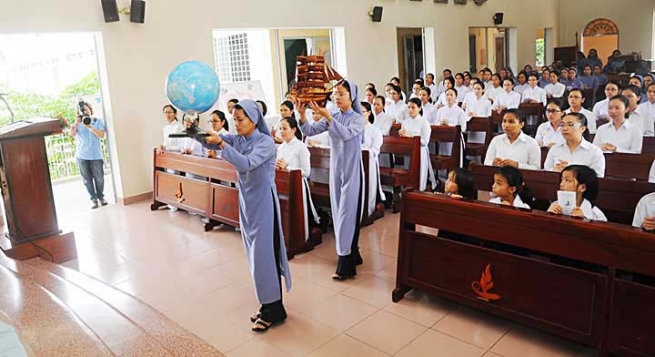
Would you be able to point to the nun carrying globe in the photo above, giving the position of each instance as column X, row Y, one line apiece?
column 252, row 152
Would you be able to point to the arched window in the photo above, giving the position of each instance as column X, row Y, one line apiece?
column 603, row 35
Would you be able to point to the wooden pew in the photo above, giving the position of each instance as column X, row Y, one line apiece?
column 479, row 124
column 533, row 109
column 398, row 177
column 446, row 134
column 593, row 283
column 648, row 146
column 621, row 165
column 320, row 159
column 616, row 198
column 216, row 199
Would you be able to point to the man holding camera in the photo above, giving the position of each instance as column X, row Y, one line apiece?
column 88, row 131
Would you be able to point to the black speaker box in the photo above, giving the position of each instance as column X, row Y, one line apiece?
column 110, row 10
column 138, row 11
column 498, row 18
column 377, row 14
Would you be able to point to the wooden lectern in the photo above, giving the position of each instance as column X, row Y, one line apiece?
column 27, row 192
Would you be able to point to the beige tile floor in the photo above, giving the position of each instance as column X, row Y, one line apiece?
column 201, row 281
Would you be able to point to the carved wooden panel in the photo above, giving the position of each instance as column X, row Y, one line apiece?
column 601, row 27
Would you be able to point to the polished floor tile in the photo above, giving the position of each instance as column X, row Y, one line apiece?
column 299, row 335
column 386, row 332
column 346, row 346
column 256, row 348
column 341, row 312
column 373, row 291
column 525, row 342
column 474, row 327
column 421, row 308
column 433, row 343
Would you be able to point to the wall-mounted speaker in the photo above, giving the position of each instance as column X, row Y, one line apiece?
column 138, row 11
column 498, row 18
column 376, row 14
column 110, row 10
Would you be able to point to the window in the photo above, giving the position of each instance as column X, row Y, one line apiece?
column 232, row 57
column 540, row 52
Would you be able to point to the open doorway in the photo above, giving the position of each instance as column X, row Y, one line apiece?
column 489, row 47
column 44, row 75
column 410, row 56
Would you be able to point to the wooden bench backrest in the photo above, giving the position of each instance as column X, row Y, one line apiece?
column 410, row 147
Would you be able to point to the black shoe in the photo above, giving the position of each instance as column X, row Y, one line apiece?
column 94, row 204
column 103, row 201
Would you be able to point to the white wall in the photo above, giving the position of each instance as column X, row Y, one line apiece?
column 138, row 57
column 634, row 19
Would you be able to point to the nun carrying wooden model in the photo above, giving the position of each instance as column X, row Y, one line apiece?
column 252, row 152
column 346, row 131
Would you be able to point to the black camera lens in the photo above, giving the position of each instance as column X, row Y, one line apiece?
column 86, row 120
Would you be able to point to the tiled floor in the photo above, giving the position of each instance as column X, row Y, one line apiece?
column 201, row 281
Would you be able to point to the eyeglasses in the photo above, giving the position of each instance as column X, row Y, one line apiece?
column 575, row 97
column 570, row 125
column 553, row 111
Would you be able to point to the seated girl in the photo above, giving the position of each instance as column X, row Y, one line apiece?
column 533, row 93
column 461, row 184
column 550, row 132
column 639, row 117
column 416, row 125
column 448, row 83
column 382, row 120
column 509, row 188
column 555, row 89
column 619, row 135
column 294, row 155
column 219, row 126
column 286, row 110
column 514, row 148
column 583, row 181
column 600, row 108
column 577, row 98
column 576, row 149
column 495, row 89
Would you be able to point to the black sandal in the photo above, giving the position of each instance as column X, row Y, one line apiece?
column 261, row 325
column 338, row 277
column 254, row 317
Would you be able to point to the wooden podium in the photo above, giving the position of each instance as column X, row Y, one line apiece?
column 32, row 228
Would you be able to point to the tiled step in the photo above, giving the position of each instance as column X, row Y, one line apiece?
column 123, row 324
column 167, row 333
column 45, row 325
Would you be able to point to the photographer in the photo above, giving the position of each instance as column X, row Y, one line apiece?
column 88, row 131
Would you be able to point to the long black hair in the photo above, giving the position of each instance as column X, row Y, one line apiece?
column 221, row 117
column 367, row 107
column 465, row 183
column 264, row 107
column 288, row 104
column 514, row 179
column 585, row 176
column 293, row 124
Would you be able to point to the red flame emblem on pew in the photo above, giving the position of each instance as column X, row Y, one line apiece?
column 180, row 194
column 485, row 284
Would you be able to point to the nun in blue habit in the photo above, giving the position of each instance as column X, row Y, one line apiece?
column 346, row 131
column 252, row 152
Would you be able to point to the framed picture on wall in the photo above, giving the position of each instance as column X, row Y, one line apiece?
column 440, row 1
column 460, row 2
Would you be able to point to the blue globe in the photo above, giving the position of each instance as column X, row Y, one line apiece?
column 192, row 87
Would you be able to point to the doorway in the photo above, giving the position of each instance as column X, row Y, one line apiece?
column 488, row 47
column 44, row 75
column 411, row 61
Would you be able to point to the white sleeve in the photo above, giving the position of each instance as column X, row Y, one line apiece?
column 640, row 213
column 549, row 164
column 303, row 158
column 386, row 128
column 426, row 131
column 558, row 91
column 651, row 176
column 437, row 117
column 598, row 138
column 376, row 143
column 598, row 215
column 598, row 164
column 591, row 123
column 463, row 118
column 636, row 142
column 515, row 101
column 534, row 158
column 487, row 109
column 491, row 153
column 649, row 129
column 542, row 97
column 539, row 136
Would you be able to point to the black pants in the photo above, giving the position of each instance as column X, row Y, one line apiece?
column 275, row 311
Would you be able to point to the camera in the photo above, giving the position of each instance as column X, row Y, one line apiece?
column 85, row 118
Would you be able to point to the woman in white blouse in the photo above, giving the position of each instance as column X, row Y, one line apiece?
column 514, row 148
column 476, row 104
column 555, row 89
column 172, row 127
column 219, row 125
column 429, row 110
column 508, row 99
column 462, row 88
column 451, row 114
column 576, row 99
column 550, row 132
column 383, row 121
column 638, row 116
column 294, row 155
column 600, row 108
column 495, row 89
column 522, row 82
column 416, row 125
column 576, row 149
column 397, row 109
column 321, row 140
column 448, row 83
column 372, row 142
column 619, row 135
column 533, row 93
